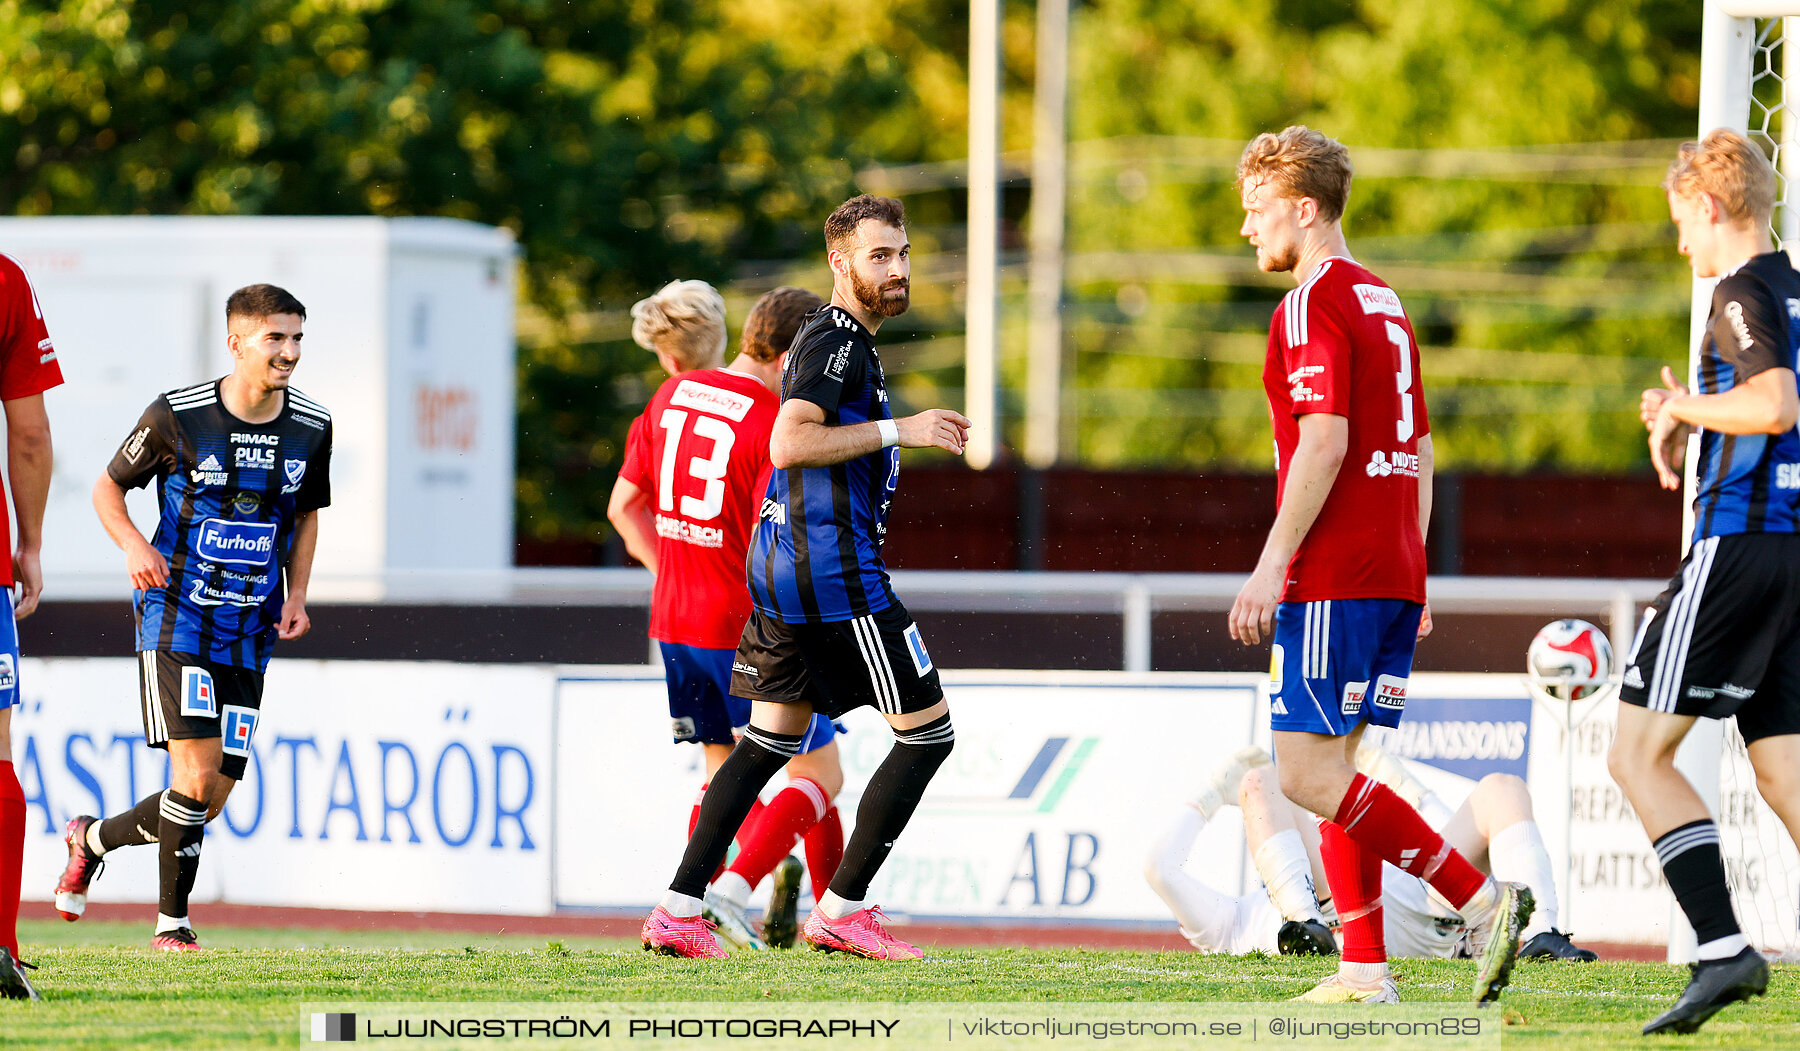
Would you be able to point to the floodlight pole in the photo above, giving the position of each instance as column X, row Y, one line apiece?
column 1049, row 190
column 982, row 310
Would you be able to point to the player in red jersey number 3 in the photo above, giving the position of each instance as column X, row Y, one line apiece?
column 1340, row 586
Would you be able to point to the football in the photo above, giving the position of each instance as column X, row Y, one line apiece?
column 1569, row 659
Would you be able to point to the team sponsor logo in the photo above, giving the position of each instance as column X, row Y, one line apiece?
column 745, row 669
column 9, row 675
column 1787, row 476
column 1382, row 464
column 689, row 533
column 916, row 647
column 46, row 352
column 683, row 727
column 1378, row 299
column 1298, row 388
column 1734, row 313
column 237, row 728
column 293, row 471
column 256, row 458
column 204, row 594
column 246, row 502
column 236, row 543
column 1352, row 701
column 210, row 472
column 774, row 510
column 134, row 445
column 690, row 394
column 197, row 695
column 840, row 361
column 1276, row 656
column 1794, row 309
column 1390, row 693
column 255, row 439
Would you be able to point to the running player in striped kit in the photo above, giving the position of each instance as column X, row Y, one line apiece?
column 826, row 633
column 242, row 465
column 1724, row 638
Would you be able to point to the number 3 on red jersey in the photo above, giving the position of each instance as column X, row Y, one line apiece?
column 1403, row 427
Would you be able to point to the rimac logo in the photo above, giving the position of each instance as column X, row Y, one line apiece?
column 1734, row 312
column 236, row 543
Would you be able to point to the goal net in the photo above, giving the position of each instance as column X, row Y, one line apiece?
column 1750, row 80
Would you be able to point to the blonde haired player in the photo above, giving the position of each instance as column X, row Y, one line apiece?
column 1494, row 826
column 1723, row 638
column 1340, row 585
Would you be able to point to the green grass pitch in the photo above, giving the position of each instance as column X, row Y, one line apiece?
column 104, row 987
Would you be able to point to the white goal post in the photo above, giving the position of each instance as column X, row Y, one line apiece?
column 1746, row 68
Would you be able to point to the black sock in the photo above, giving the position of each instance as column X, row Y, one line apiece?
column 889, row 801
column 1696, row 873
column 728, row 799
column 182, row 825
column 134, row 827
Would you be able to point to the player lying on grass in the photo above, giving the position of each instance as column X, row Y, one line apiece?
column 1494, row 828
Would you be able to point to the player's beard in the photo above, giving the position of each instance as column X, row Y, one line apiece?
column 882, row 302
column 1278, row 261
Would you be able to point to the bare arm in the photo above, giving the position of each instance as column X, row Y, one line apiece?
column 294, row 621
column 1324, row 438
column 1427, row 463
column 143, row 563
column 801, row 437
column 28, row 460
column 628, row 510
column 1766, row 404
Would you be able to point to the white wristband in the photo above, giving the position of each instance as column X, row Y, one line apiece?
column 890, row 433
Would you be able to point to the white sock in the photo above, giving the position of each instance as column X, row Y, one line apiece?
column 835, row 907
column 1478, row 909
column 681, row 906
column 733, row 888
column 1516, row 854
column 1363, row 974
column 1721, row 948
column 171, row 923
column 93, row 839
column 1286, row 873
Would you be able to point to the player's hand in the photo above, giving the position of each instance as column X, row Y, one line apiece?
column 146, row 567
column 294, row 621
column 1425, row 621
column 1668, row 446
column 934, row 428
column 1253, row 611
column 28, row 582
column 1651, row 403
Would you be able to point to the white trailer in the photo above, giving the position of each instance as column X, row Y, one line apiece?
column 409, row 343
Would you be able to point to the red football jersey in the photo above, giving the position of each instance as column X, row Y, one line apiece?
column 701, row 450
column 1341, row 343
column 27, row 365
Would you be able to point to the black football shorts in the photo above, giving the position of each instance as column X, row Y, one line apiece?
column 1724, row 637
column 878, row 660
column 187, row 698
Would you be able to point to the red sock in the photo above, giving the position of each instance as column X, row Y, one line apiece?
column 1382, row 822
column 12, row 854
column 824, row 850
column 794, row 810
column 1354, row 874
column 744, row 832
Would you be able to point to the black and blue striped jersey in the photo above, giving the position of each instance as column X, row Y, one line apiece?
column 227, row 492
column 1749, row 483
column 816, row 554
